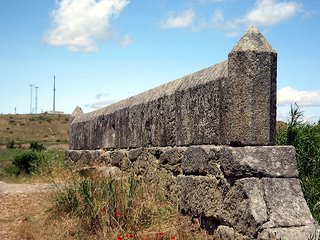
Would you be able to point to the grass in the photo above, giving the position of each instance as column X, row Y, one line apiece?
column 121, row 208
column 25, row 128
column 50, row 165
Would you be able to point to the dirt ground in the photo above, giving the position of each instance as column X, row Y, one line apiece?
column 23, row 210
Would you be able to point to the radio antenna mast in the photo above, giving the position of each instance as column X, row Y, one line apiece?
column 54, row 94
column 31, row 86
column 36, row 100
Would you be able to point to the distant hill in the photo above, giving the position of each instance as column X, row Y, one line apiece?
column 26, row 128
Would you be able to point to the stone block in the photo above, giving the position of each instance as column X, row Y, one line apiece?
column 291, row 233
column 135, row 153
column 285, row 203
column 259, row 161
column 199, row 195
column 249, row 99
column 194, row 161
column 244, row 206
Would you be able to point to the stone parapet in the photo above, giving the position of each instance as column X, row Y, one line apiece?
column 230, row 103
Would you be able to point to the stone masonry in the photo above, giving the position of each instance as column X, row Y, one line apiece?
column 207, row 139
column 217, row 105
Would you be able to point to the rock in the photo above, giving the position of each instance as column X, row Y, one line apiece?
column 259, row 161
column 117, row 158
column 135, row 153
column 195, row 161
column 291, row 233
column 171, row 160
column 244, row 206
column 224, row 233
column 199, row 195
column 249, row 99
column 285, row 203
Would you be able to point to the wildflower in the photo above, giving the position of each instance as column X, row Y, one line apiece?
column 160, row 234
column 129, row 235
column 173, row 238
column 119, row 238
column 103, row 210
column 118, row 214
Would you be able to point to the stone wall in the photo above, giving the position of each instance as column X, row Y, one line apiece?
column 232, row 103
column 207, row 139
column 241, row 192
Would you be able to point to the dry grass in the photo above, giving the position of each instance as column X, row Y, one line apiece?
column 26, row 128
column 26, row 216
column 108, row 209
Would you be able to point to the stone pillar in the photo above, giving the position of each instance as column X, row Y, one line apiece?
column 249, row 94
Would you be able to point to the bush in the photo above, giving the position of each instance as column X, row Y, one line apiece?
column 37, row 146
column 305, row 137
column 26, row 162
column 35, row 162
column 10, row 144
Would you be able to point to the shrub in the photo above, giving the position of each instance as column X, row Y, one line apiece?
column 305, row 137
column 10, row 144
column 37, row 146
column 26, row 162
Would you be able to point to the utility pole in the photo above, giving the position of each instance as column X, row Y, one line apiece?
column 31, row 86
column 54, row 94
column 36, row 100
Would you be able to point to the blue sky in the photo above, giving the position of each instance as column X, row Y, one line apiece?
column 104, row 51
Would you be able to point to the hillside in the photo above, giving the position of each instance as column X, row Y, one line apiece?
column 26, row 128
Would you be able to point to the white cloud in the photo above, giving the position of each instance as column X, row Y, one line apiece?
column 265, row 13
column 102, row 95
column 78, row 24
column 231, row 27
column 100, row 104
column 125, row 41
column 179, row 20
column 304, row 98
column 270, row 12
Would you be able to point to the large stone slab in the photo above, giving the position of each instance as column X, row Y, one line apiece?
column 286, row 204
column 232, row 102
column 260, row 161
column 291, row 233
column 250, row 93
column 244, row 206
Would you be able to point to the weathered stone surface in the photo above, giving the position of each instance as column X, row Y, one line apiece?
column 76, row 113
column 117, row 157
column 292, row 233
column 182, row 112
column 249, row 99
column 228, row 233
column 224, row 233
column 285, row 203
column 171, row 160
column 200, row 195
column 232, row 102
column 244, row 206
column 258, row 161
column 195, row 161
column 135, row 153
